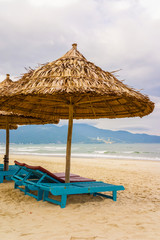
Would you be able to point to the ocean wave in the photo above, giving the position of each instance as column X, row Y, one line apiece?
column 85, row 155
column 113, row 151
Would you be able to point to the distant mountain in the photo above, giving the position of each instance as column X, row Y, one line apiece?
column 82, row 133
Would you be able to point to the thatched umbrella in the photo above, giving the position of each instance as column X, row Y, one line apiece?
column 74, row 88
column 10, row 120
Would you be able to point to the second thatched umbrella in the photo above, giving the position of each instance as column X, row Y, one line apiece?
column 73, row 88
column 9, row 121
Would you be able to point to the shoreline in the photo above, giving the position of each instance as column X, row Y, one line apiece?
column 84, row 157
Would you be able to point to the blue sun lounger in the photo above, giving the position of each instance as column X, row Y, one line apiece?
column 40, row 184
column 7, row 174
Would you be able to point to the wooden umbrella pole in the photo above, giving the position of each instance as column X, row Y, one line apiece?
column 69, row 141
column 6, row 156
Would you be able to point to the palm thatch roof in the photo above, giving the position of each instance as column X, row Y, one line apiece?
column 11, row 118
column 72, row 79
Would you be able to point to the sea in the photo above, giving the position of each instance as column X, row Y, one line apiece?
column 110, row 151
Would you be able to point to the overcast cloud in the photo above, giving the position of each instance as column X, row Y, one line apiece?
column 117, row 34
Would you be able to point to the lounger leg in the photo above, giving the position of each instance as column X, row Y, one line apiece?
column 40, row 195
column 26, row 190
column 63, row 200
column 15, row 185
column 114, row 195
column 1, row 179
column 45, row 195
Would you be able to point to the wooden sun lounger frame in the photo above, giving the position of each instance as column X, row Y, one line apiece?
column 43, row 184
column 7, row 174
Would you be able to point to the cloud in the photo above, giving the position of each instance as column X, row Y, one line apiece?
column 55, row 3
column 152, row 8
column 112, row 34
column 118, row 34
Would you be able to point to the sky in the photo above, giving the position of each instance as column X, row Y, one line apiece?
column 113, row 34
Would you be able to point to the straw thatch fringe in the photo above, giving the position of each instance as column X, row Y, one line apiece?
column 11, row 126
column 11, row 118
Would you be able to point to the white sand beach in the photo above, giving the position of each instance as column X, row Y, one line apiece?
column 135, row 215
